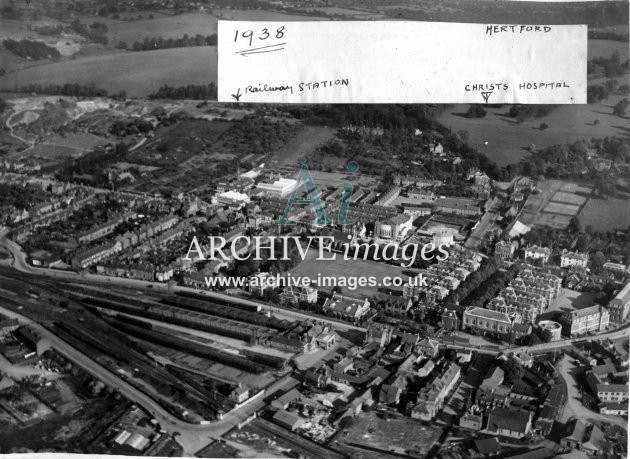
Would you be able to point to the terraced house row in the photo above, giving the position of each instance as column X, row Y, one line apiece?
column 529, row 294
column 442, row 278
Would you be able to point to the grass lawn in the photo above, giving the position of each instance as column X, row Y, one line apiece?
column 304, row 144
column 606, row 214
column 137, row 73
column 605, row 48
column 505, row 141
column 341, row 268
column 570, row 300
column 401, row 433
column 160, row 26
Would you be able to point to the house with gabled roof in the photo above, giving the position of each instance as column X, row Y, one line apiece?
column 583, row 436
column 509, row 422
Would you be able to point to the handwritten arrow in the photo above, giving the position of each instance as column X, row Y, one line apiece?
column 486, row 96
column 237, row 96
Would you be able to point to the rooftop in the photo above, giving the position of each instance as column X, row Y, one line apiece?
column 488, row 314
column 514, row 420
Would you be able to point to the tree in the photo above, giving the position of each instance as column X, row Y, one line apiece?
column 575, row 225
column 121, row 45
column 533, row 339
column 513, row 370
column 620, row 108
column 582, row 243
column 598, row 260
column 543, row 126
column 476, row 111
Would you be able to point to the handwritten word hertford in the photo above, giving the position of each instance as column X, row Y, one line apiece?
column 494, row 29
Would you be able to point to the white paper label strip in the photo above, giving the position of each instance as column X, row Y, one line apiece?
column 401, row 62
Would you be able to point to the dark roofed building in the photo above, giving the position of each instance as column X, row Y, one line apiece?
column 488, row 446
column 33, row 339
column 550, row 410
column 583, row 436
column 510, row 423
column 288, row 420
column 520, row 330
column 283, row 402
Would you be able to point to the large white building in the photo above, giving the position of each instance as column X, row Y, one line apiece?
column 232, row 198
column 281, row 187
column 619, row 306
column 592, row 319
column 394, row 228
column 535, row 253
column 570, row 259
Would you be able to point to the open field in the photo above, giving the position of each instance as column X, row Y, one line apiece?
column 346, row 269
column 346, row 12
column 139, row 74
column 505, row 141
column 332, row 179
column 260, row 15
column 575, row 188
column 556, row 221
column 569, row 300
column 606, row 214
column 161, row 26
column 49, row 152
column 604, row 48
column 543, row 209
column 568, row 198
column 399, row 435
column 562, row 209
column 304, row 144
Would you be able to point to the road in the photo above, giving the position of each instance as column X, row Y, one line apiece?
column 30, row 143
column 478, row 233
column 574, row 407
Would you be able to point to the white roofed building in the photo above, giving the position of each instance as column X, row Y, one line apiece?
column 281, row 187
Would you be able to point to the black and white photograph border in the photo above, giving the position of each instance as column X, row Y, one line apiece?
column 182, row 277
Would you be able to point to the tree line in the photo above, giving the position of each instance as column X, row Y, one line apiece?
column 191, row 91
column 95, row 32
column 612, row 66
column 160, row 43
column 68, row 89
column 31, row 49
column 524, row 112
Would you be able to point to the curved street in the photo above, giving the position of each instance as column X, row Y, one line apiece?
column 574, row 407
